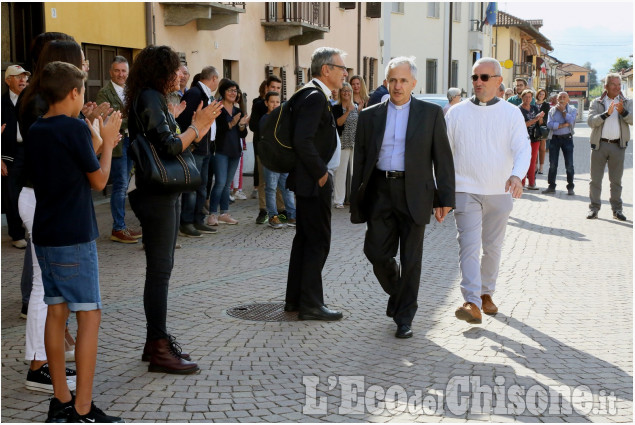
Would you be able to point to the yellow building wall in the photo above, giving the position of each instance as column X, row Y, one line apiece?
column 502, row 37
column 110, row 24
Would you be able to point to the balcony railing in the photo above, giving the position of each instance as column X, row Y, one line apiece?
column 311, row 13
column 523, row 69
column 236, row 4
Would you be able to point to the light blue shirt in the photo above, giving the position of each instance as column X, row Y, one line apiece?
column 393, row 148
column 555, row 118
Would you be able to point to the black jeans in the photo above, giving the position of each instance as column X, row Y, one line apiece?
column 159, row 217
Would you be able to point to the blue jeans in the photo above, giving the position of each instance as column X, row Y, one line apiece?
column 224, row 170
column 70, row 274
column 192, row 203
column 275, row 181
column 120, row 177
column 566, row 144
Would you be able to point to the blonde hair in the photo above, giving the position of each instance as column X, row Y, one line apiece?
column 363, row 91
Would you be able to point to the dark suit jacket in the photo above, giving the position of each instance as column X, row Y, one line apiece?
column 193, row 98
column 426, row 145
column 314, row 141
column 10, row 135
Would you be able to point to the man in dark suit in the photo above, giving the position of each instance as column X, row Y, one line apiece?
column 16, row 78
column 192, row 203
column 316, row 147
column 393, row 189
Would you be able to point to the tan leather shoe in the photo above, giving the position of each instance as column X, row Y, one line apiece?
column 469, row 312
column 488, row 305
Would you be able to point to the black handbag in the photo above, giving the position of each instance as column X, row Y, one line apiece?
column 168, row 174
column 541, row 132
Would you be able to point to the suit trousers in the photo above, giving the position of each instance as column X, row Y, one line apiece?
column 310, row 248
column 10, row 193
column 613, row 155
column 389, row 227
column 480, row 219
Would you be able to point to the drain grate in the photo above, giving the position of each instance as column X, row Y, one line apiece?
column 263, row 312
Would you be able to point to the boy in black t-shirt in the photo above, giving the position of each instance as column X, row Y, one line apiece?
column 64, row 167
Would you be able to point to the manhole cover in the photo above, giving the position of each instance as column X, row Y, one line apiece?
column 264, row 312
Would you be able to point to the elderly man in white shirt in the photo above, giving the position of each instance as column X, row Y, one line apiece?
column 491, row 151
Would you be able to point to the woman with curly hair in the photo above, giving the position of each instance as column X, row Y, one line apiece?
column 231, row 126
column 155, row 73
column 360, row 92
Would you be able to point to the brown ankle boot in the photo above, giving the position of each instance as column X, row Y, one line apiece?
column 147, row 351
column 488, row 305
column 165, row 357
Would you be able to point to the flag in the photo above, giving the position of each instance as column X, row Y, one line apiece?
column 490, row 13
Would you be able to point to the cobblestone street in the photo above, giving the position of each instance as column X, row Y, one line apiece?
column 565, row 321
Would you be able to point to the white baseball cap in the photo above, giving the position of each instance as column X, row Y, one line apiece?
column 15, row 70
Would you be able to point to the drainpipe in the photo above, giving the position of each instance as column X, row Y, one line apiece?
column 359, row 37
column 450, row 50
column 149, row 23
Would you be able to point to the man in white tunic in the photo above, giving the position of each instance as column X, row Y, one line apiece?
column 492, row 152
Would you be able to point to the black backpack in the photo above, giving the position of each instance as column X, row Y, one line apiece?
column 275, row 147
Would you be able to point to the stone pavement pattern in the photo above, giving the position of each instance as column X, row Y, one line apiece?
column 565, row 300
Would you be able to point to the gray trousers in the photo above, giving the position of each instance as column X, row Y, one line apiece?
column 480, row 220
column 612, row 154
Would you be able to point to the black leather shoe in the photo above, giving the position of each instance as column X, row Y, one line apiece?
column 403, row 331
column 570, row 192
column 619, row 215
column 319, row 313
column 390, row 308
column 291, row 307
column 592, row 214
column 549, row 190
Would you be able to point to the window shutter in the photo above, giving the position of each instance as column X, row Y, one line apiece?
column 371, row 77
column 347, row 5
column 373, row 10
column 268, row 71
column 299, row 77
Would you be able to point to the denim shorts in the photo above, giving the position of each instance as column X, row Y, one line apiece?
column 70, row 274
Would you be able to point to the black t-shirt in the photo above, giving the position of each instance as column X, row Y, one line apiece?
column 60, row 153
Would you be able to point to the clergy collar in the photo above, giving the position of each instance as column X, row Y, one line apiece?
column 477, row 102
column 398, row 107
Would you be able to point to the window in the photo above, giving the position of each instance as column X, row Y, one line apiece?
column 456, row 11
column 371, row 77
column 582, row 78
column 433, row 10
column 454, row 74
column 397, row 7
column 431, row 76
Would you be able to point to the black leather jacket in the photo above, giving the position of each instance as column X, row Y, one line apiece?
column 158, row 124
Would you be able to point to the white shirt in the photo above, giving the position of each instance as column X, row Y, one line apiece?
column 489, row 144
column 14, row 100
column 119, row 91
column 611, row 127
column 334, row 162
column 210, row 96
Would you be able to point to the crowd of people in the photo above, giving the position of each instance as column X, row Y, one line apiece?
column 396, row 160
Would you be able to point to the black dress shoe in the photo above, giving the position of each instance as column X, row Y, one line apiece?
column 319, row 313
column 291, row 307
column 592, row 215
column 403, row 331
column 390, row 308
column 619, row 215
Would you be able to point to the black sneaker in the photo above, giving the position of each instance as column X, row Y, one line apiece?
column 40, row 379
column 25, row 310
column 204, row 228
column 96, row 415
column 619, row 215
column 58, row 411
column 262, row 217
column 282, row 216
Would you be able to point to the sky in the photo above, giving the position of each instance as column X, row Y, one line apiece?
column 582, row 31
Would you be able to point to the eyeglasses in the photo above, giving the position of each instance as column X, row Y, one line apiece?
column 20, row 77
column 342, row 67
column 484, row 77
column 231, row 91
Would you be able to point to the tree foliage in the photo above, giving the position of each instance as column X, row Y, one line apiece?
column 593, row 75
column 620, row 64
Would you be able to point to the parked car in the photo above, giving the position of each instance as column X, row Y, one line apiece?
column 439, row 99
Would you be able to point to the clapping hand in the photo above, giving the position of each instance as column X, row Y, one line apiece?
column 109, row 130
column 176, row 110
column 244, row 121
column 102, row 110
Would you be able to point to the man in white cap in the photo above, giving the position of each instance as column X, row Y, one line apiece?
column 16, row 78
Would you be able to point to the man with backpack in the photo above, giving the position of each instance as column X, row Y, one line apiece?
column 315, row 145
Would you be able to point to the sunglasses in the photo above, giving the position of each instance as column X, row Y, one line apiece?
column 484, row 77
column 342, row 67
